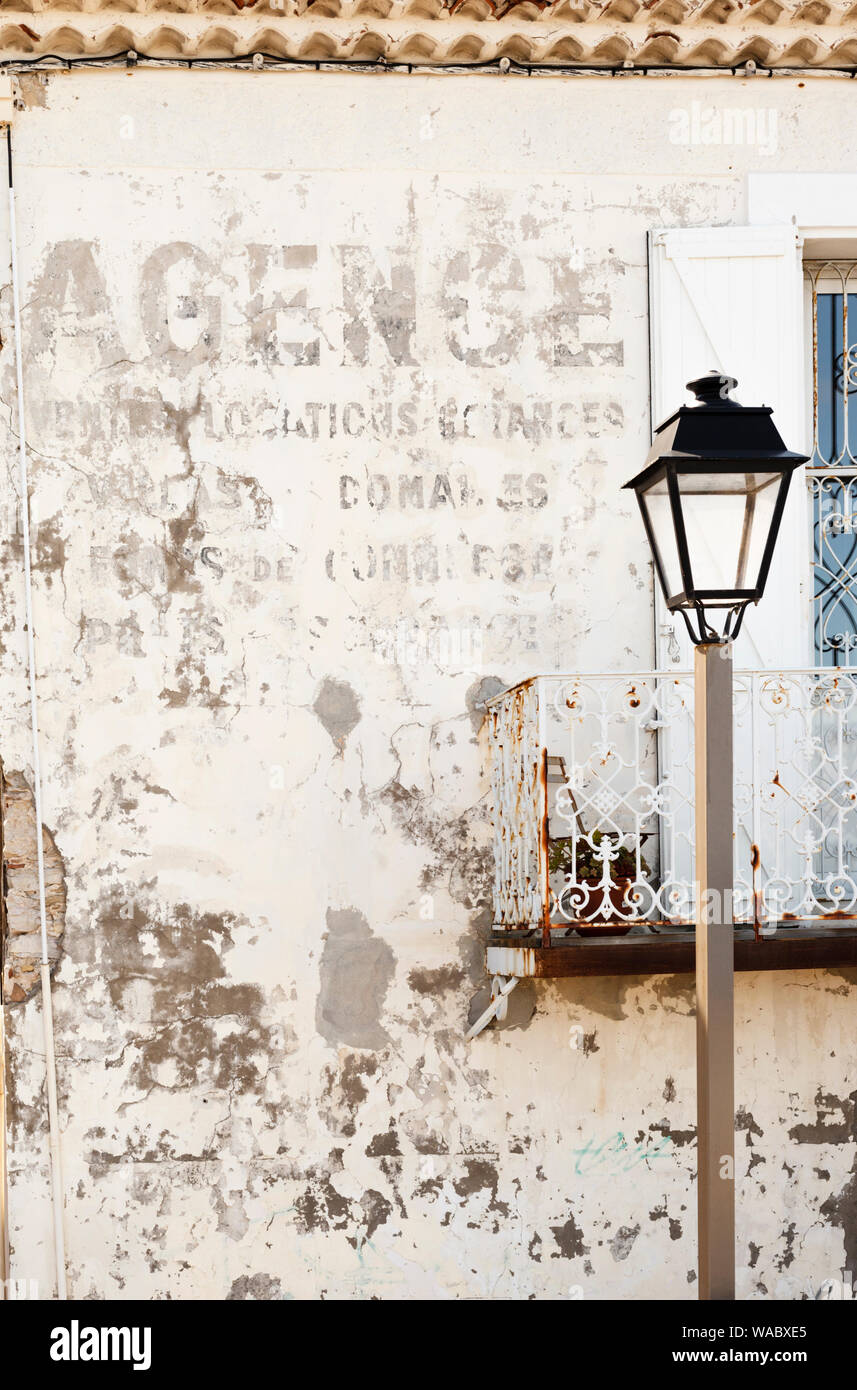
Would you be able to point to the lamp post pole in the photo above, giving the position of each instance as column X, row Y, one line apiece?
column 715, row 958
column 712, row 495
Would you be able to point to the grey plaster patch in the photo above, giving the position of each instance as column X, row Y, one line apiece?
column 337, row 707
column 476, row 696
column 471, row 945
column 232, row 1219
column 254, row 1286
column 623, row 1242
column 355, row 973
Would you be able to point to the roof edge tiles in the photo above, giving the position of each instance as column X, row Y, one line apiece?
column 568, row 33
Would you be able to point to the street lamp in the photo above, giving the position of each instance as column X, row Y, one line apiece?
column 712, row 495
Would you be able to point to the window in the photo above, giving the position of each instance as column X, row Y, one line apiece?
column 832, row 473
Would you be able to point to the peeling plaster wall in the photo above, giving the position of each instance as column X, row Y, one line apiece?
column 316, row 366
column 20, row 920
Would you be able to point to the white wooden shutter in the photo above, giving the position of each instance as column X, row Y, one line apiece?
column 731, row 299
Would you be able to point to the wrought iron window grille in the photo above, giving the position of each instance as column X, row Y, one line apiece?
column 832, row 473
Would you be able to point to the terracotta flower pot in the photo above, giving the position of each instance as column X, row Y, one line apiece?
column 611, row 926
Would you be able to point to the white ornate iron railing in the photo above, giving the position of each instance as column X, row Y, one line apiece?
column 592, row 789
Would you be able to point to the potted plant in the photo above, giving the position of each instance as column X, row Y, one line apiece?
column 584, row 858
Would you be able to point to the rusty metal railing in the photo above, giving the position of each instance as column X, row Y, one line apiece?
column 593, row 799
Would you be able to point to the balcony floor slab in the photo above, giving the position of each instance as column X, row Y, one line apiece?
column 788, row 948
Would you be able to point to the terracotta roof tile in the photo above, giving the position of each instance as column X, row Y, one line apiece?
column 588, row 33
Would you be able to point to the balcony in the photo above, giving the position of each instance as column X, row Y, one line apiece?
column 593, row 815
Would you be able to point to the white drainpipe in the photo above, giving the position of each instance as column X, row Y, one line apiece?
column 45, row 970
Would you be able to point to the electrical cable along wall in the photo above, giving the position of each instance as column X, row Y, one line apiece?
column 687, row 35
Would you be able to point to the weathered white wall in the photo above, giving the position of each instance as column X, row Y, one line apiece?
column 240, row 291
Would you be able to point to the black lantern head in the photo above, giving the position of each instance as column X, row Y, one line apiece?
column 712, row 495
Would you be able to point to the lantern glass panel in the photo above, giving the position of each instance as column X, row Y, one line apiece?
column 727, row 520
column 662, row 523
